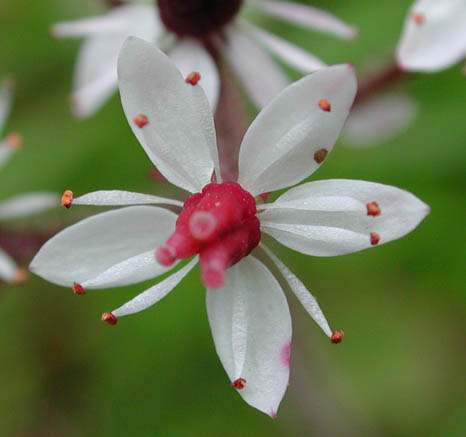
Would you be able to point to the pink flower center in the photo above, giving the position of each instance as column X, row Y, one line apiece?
column 197, row 18
column 219, row 224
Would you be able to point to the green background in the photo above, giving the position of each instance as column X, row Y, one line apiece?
column 400, row 369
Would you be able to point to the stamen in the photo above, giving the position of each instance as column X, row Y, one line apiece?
column 14, row 141
column 325, row 105
column 320, row 155
column 337, row 337
column 375, row 238
column 67, row 199
column 109, row 318
column 373, row 209
column 19, row 277
column 140, row 120
column 193, row 78
column 78, row 289
column 418, row 18
column 238, row 383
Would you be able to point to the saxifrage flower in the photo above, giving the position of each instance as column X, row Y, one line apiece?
column 190, row 32
column 221, row 223
column 21, row 205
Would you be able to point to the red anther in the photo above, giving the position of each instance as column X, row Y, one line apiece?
column 227, row 250
column 375, row 238
column 320, row 155
column 264, row 196
column 19, row 277
column 418, row 18
column 140, row 120
column 193, row 78
column 78, row 289
column 325, row 105
column 337, row 337
column 67, row 199
column 14, row 141
column 238, row 383
column 373, row 209
column 109, row 318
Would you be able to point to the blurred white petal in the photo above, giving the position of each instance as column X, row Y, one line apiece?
column 302, row 293
column 434, row 35
column 95, row 76
column 287, row 52
column 117, row 197
column 306, row 16
column 152, row 295
column 330, row 217
column 251, row 327
column 284, row 143
column 178, row 137
column 6, row 98
column 259, row 74
column 378, row 119
column 27, row 204
column 100, row 25
column 88, row 248
column 5, row 152
column 8, row 267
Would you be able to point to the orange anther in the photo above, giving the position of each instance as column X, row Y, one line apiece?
column 193, row 78
column 325, row 105
column 78, row 289
column 337, row 337
column 140, row 120
column 375, row 238
column 67, row 199
column 14, row 141
column 373, row 209
column 238, row 383
column 320, row 155
column 109, row 318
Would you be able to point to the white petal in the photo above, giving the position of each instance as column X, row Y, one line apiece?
column 178, row 137
column 307, row 17
column 308, row 301
column 262, row 79
column 155, row 293
column 95, row 76
column 289, row 53
column 86, row 249
column 327, row 218
column 190, row 56
column 5, row 152
column 8, row 267
column 251, row 327
column 279, row 147
column 434, row 35
column 6, row 97
column 27, row 204
column 130, row 271
column 117, row 197
column 100, row 25
column 379, row 119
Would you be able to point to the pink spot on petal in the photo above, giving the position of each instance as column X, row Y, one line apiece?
column 202, row 225
column 286, row 354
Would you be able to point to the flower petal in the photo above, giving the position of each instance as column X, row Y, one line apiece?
column 327, row 218
column 189, row 57
column 379, row 119
column 95, row 75
column 6, row 98
column 285, row 142
column 434, row 35
column 27, row 204
column 307, row 16
column 287, row 52
column 86, row 249
column 5, row 152
column 118, row 197
column 308, row 301
column 8, row 267
column 100, row 25
column 155, row 293
column 178, row 136
column 239, row 51
column 251, row 327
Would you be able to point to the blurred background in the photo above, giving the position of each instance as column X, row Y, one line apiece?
column 400, row 368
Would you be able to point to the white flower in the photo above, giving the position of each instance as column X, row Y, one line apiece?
column 287, row 142
column 95, row 77
column 22, row 205
column 434, row 35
